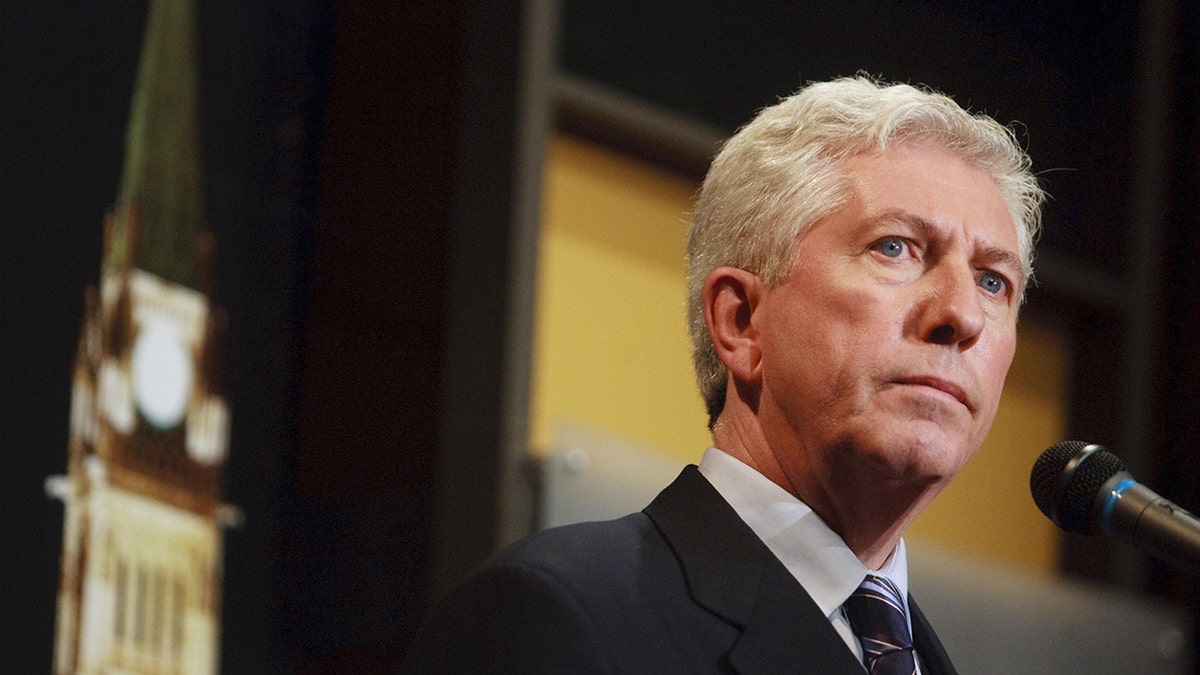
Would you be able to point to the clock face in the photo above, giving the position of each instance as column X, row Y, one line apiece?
column 162, row 373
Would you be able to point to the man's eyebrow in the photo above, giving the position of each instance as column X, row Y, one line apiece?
column 1002, row 257
column 923, row 227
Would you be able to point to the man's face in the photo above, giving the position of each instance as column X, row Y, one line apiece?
column 884, row 351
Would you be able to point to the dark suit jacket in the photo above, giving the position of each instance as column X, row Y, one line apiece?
column 683, row 587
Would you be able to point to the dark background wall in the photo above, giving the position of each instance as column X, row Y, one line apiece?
column 361, row 179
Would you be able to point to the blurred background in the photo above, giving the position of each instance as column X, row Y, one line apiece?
column 450, row 246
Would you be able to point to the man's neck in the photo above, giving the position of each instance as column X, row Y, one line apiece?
column 871, row 515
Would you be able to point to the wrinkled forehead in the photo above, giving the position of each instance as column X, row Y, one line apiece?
column 841, row 156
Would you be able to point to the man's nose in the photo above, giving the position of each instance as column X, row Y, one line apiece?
column 953, row 314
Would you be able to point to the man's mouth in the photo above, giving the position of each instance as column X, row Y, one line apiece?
column 941, row 384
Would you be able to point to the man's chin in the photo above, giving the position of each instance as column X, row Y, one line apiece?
column 919, row 459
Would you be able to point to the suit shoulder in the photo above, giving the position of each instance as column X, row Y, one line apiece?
column 580, row 546
column 548, row 603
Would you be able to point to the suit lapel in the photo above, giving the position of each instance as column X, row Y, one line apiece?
column 934, row 659
column 788, row 633
column 732, row 574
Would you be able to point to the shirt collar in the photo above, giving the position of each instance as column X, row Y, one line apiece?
column 815, row 555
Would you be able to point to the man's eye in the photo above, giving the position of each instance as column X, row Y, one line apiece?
column 892, row 247
column 993, row 283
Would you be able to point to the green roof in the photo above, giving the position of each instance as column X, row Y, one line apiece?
column 161, row 177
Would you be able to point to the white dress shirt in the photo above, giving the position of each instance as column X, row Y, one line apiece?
column 814, row 554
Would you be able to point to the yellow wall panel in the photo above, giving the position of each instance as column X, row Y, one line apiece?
column 611, row 345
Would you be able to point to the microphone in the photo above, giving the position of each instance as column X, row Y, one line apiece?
column 1084, row 488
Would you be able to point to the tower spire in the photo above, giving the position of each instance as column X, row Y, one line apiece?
column 161, row 193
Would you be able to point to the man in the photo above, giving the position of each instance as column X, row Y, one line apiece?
column 858, row 257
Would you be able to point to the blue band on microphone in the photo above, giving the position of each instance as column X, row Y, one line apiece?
column 1113, row 497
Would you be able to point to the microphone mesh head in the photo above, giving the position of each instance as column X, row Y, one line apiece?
column 1067, row 498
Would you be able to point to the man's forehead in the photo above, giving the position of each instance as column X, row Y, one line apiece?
column 940, row 171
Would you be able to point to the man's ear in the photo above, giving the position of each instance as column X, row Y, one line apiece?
column 731, row 297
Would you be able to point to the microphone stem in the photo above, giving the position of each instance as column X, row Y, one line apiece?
column 1137, row 515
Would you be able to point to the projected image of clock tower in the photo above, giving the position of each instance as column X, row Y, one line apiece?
column 142, row 547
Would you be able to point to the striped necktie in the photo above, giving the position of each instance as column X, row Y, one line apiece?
column 876, row 614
